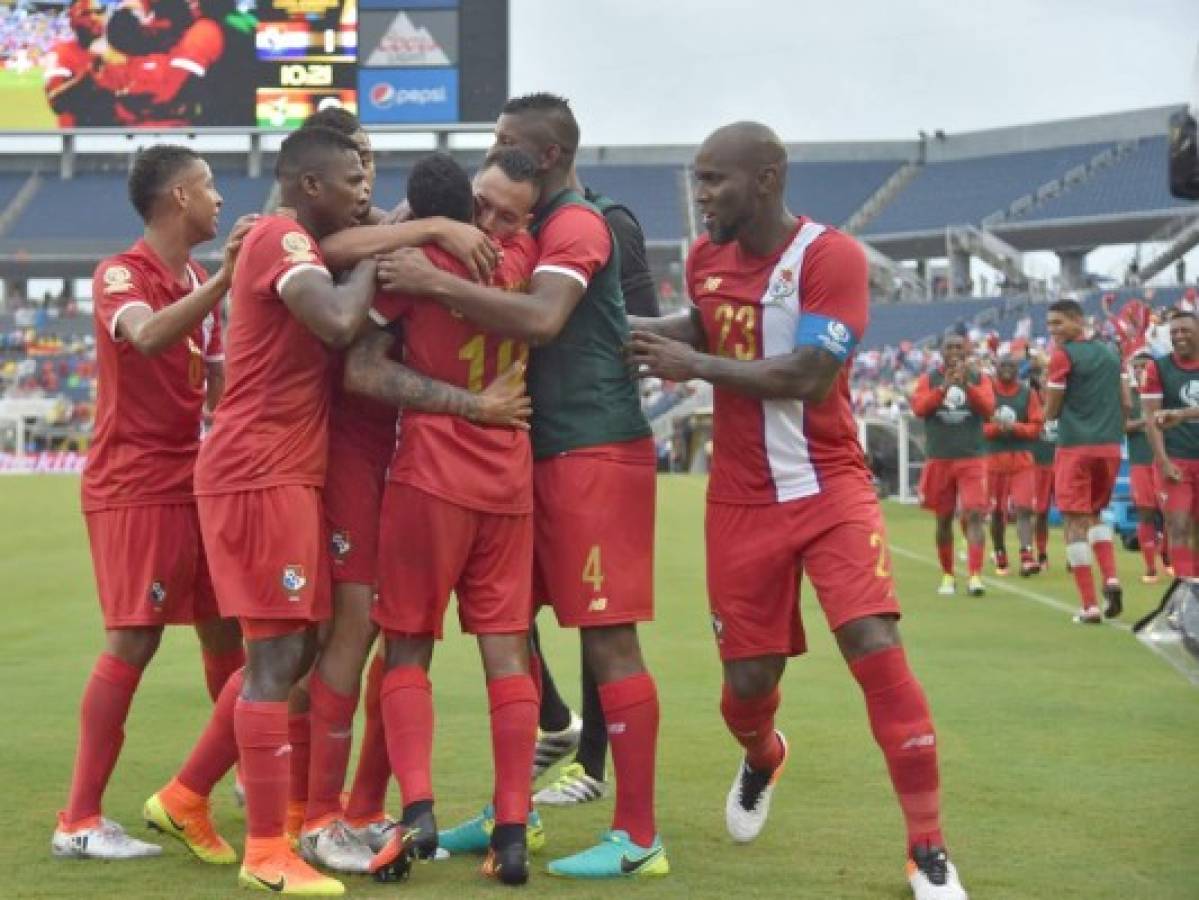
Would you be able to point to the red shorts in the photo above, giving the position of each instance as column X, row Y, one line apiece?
column 1044, row 489
column 429, row 547
column 593, row 551
column 150, row 567
column 1084, row 478
column 266, row 550
column 757, row 554
column 1179, row 496
column 352, row 497
column 1013, row 490
column 948, row 486
column 1143, row 485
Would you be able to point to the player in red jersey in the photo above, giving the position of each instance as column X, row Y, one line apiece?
column 1140, row 470
column 955, row 401
column 153, row 305
column 594, row 480
column 362, row 435
column 780, row 304
column 71, row 88
column 258, row 483
column 457, row 515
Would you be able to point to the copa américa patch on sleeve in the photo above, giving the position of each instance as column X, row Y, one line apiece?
column 826, row 333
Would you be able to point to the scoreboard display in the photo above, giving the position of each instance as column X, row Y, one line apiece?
column 246, row 63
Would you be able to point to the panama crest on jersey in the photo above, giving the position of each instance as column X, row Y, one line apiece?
column 783, row 284
column 157, row 595
column 294, row 580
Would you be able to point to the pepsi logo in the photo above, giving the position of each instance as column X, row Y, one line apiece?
column 382, row 95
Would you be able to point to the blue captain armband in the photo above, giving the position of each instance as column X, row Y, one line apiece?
column 826, row 333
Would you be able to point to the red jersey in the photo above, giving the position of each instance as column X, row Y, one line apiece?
column 482, row 468
column 367, row 424
column 67, row 60
column 148, row 408
column 812, row 292
column 271, row 426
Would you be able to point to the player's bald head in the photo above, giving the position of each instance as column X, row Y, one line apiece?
column 748, row 146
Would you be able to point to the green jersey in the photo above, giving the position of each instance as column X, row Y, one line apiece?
column 953, row 430
column 1011, row 409
column 1178, row 388
column 582, row 394
column 1139, row 451
column 1089, row 373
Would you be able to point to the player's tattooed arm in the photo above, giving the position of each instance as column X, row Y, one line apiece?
column 806, row 373
column 151, row 332
column 686, row 326
column 372, row 372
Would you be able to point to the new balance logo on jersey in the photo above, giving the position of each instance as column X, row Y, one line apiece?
column 919, row 741
column 294, row 580
column 599, row 604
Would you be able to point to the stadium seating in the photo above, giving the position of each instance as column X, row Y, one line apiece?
column 1136, row 183
column 963, row 192
column 652, row 192
column 894, row 323
column 391, row 186
column 831, row 192
column 64, row 212
column 242, row 195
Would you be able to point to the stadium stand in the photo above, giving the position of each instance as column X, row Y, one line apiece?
column 965, row 191
column 62, row 213
column 391, row 186
column 651, row 191
column 831, row 192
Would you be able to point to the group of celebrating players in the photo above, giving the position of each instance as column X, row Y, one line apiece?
column 1004, row 445
column 520, row 473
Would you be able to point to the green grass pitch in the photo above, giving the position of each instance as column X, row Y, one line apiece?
column 1068, row 753
column 23, row 103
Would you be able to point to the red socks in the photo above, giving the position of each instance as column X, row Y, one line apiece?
column 370, row 781
column 262, row 742
column 299, row 727
column 332, row 727
column 751, row 723
column 408, row 722
column 945, row 555
column 1100, row 538
column 631, row 711
column 1084, row 580
column 216, row 751
column 974, row 557
column 1147, row 538
column 1183, row 559
column 102, row 713
column 218, row 668
column 903, row 727
column 514, row 710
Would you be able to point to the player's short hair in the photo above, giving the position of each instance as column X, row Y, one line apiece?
column 517, row 165
column 555, row 111
column 438, row 186
column 335, row 118
column 308, row 149
column 1179, row 312
column 153, row 169
column 1067, row 307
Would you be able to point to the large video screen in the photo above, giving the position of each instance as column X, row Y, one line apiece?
column 246, row 63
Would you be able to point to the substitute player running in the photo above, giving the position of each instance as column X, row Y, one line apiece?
column 1171, row 400
column 594, row 480
column 1087, row 396
column 155, row 310
column 1140, row 469
column 781, row 302
column 955, row 401
column 1011, row 471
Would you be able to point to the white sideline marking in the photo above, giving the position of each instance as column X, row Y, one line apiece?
column 1043, row 599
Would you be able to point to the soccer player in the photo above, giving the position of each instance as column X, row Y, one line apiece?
column 258, row 483
column 1170, row 398
column 1043, row 452
column 70, row 83
column 1140, row 469
column 594, row 471
column 1087, row 396
column 955, row 401
column 1011, row 472
column 153, row 307
column 457, row 516
column 781, row 302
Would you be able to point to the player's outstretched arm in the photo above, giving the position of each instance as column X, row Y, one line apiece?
column 926, row 399
column 806, row 373
column 372, row 372
column 153, row 332
column 335, row 313
column 467, row 244
column 686, row 326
